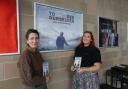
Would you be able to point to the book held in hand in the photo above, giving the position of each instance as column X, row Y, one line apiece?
column 45, row 66
column 77, row 63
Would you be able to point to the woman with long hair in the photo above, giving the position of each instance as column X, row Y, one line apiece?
column 86, row 77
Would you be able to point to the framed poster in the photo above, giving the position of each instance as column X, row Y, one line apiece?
column 127, row 36
column 9, row 27
column 108, row 32
column 60, row 29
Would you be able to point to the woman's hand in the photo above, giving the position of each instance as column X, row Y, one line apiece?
column 93, row 68
column 81, row 70
column 73, row 68
column 48, row 78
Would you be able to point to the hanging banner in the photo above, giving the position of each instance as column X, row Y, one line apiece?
column 9, row 34
column 60, row 29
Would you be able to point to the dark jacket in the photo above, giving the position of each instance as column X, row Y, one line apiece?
column 30, row 68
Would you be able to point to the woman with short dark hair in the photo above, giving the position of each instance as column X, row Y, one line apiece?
column 30, row 63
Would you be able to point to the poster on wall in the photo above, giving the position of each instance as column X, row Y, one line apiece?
column 9, row 29
column 60, row 29
column 108, row 32
column 127, row 36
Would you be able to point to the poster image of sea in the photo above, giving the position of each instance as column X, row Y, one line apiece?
column 108, row 32
column 60, row 29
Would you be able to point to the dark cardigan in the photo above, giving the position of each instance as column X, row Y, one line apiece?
column 30, row 68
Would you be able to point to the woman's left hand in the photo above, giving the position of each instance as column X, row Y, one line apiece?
column 81, row 70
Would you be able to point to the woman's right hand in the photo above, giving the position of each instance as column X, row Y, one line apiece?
column 47, row 79
column 73, row 68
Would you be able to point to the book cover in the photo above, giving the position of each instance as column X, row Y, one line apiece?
column 45, row 68
column 77, row 62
